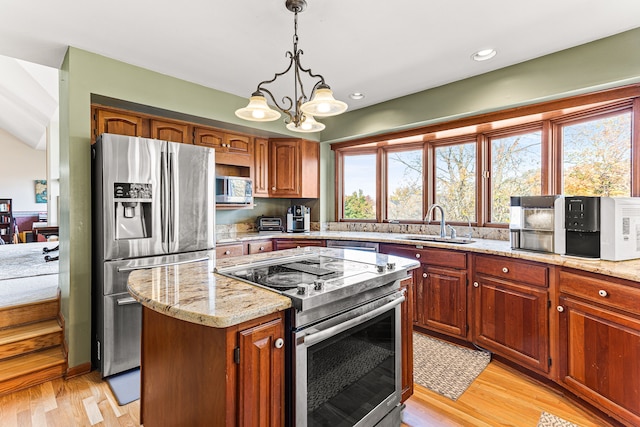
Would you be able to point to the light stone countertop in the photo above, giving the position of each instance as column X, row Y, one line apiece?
column 194, row 293
column 629, row 270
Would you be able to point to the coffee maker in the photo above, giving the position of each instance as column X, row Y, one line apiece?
column 582, row 225
column 298, row 219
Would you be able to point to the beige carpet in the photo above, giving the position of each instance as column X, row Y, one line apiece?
column 550, row 420
column 445, row 368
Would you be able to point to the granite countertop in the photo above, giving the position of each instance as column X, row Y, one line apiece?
column 629, row 270
column 195, row 293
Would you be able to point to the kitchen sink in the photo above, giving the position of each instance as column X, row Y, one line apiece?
column 431, row 238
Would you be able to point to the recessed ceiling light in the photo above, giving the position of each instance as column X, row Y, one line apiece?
column 484, row 54
column 356, row 95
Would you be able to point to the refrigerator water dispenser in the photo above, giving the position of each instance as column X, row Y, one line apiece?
column 132, row 210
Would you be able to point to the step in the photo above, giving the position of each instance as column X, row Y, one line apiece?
column 30, row 337
column 28, row 313
column 34, row 368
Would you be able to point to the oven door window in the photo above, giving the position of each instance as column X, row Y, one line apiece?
column 351, row 373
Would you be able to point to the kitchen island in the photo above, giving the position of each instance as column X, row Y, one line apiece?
column 213, row 348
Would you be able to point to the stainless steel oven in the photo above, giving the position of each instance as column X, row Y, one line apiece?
column 347, row 369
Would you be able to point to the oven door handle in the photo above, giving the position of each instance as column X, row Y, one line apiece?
column 315, row 338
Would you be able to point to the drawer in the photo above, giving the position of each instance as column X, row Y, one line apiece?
column 227, row 251
column 514, row 270
column 430, row 256
column 257, row 247
column 601, row 291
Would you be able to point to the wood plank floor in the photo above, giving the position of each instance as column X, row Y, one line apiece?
column 498, row 397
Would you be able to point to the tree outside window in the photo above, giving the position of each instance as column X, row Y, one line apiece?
column 515, row 171
column 359, row 199
column 404, row 185
column 456, row 181
column 597, row 157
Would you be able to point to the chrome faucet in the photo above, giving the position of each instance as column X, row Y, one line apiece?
column 427, row 219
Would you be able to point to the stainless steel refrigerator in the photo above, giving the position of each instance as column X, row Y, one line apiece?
column 153, row 205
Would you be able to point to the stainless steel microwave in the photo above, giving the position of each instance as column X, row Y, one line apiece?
column 234, row 190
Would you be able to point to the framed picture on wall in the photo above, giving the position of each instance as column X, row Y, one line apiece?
column 41, row 191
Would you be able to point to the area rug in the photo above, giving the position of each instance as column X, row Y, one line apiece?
column 445, row 368
column 125, row 386
column 550, row 420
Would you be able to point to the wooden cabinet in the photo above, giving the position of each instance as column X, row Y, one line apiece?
column 6, row 220
column 260, row 246
column 600, row 342
column 230, row 149
column 229, row 250
column 203, row 376
column 261, row 375
column 280, row 244
column 294, row 168
column 511, row 307
column 170, row 131
column 117, row 122
column 406, row 331
column 441, row 288
column 261, row 167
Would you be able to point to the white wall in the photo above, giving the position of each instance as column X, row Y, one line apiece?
column 20, row 166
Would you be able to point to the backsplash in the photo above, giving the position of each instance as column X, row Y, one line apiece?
column 477, row 232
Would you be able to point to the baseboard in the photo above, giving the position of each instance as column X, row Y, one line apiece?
column 76, row 371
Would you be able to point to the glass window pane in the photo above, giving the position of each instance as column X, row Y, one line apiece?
column 597, row 157
column 359, row 199
column 404, row 185
column 515, row 171
column 456, row 181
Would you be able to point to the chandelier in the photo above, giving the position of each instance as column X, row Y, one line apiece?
column 301, row 112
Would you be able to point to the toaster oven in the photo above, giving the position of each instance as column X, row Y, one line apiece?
column 269, row 223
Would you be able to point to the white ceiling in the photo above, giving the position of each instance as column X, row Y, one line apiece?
column 382, row 48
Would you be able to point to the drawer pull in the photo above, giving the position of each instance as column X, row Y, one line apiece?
column 425, row 275
column 417, row 255
column 560, row 308
column 227, row 252
column 603, row 293
column 475, row 284
column 505, row 270
column 279, row 343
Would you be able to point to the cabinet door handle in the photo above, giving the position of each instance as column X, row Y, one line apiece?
column 603, row 293
column 273, row 188
column 227, row 252
column 417, row 255
column 425, row 275
column 475, row 284
column 261, row 248
column 560, row 308
column 279, row 343
column 505, row 270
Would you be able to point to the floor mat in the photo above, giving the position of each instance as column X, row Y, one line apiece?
column 125, row 386
column 445, row 368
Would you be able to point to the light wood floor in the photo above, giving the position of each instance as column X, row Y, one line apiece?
column 498, row 397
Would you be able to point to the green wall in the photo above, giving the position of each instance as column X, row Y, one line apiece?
column 609, row 62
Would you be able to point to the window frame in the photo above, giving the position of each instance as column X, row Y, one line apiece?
column 547, row 117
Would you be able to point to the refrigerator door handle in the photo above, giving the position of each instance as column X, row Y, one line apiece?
column 164, row 199
column 172, row 203
column 126, row 301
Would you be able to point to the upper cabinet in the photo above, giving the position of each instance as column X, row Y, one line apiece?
column 261, row 168
column 294, row 168
column 230, row 149
column 170, row 131
column 117, row 122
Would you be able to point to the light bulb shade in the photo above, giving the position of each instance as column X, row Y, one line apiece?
column 258, row 110
column 323, row 104
column 309, row 124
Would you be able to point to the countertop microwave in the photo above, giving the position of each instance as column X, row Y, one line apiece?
column 234, row 190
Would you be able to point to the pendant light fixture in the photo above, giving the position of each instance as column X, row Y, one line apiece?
column 299, row 110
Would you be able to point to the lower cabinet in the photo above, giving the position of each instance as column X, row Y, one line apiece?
column 600, row 343
column 511, row 310
column 197, row 375
column 406, row 331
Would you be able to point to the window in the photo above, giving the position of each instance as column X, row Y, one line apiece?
column 455, row 180
column 516, row 170
column 404, row 185
column 596, row 156
column 359, row 178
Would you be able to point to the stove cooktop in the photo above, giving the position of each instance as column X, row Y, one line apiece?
column 315, row 280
